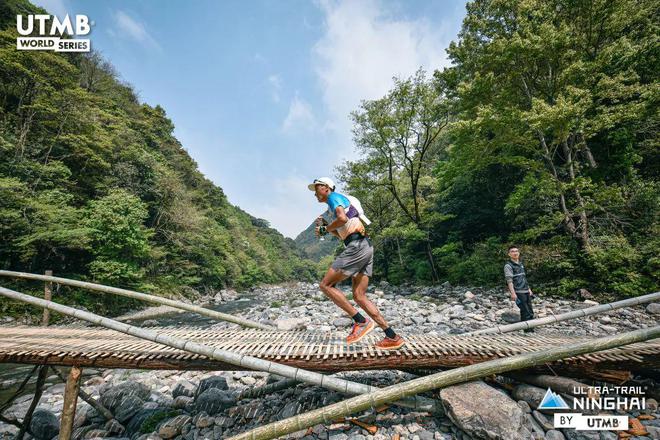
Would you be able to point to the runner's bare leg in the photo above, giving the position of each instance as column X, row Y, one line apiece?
column 360, row 283
column 327, row 286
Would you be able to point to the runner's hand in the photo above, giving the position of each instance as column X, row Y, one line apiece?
column 513, row 297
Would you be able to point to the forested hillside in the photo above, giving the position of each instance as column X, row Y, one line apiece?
column 94, row 185
column 542, row 133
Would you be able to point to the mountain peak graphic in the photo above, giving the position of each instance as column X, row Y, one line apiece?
column 552, row 400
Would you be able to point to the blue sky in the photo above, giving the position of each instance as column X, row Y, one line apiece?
column 260, row 92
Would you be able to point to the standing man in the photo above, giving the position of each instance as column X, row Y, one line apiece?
column 516, row 281
column 356, row 261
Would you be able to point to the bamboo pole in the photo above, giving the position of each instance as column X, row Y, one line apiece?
column 243, row 361
column 41, row 380
column 568, row 315
column 105, row 412
column 48, row 291
column 70, row 400
column 440, row 380
column 559, row 384
column 140, row 296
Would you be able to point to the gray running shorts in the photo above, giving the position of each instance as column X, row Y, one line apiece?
column 358, row 257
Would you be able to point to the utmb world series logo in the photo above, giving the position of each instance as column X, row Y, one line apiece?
column 592, row 399
column 50, row 31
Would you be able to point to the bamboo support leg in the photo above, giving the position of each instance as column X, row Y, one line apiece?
column 87, row 398
column 70, row 401
column 41, row 379
column 48, row 293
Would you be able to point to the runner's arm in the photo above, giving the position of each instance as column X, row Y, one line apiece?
column 339, row 221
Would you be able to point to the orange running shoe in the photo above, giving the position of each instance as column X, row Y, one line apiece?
column 391, row 344
column 359, row 331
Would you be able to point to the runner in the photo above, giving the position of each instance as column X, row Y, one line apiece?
column 356, row 261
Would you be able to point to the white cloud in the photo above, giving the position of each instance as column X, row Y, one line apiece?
column 363, row 47
column 55, row 7
column 300, row 116
column 275, row 87
column 134, row 29
column 290, row 207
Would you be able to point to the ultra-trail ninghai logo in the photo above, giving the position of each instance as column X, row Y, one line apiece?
column 594, row 400
column 47, row 32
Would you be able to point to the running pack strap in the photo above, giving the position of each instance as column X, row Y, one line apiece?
column 352, row 237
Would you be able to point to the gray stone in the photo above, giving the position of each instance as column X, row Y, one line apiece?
column 553, row 434
column 524, row 406
column 44, row 424
column 418, row 320
column 183, row 388
column 543, row 421
column 128, row 407
column 181, row 402
column 434, row 318
column 530, row 394
column 217, row 382
column 289, row 410
column 608, row 435
column 114, row 427
column 653, row 308
column 287, row 324
column 213, row 401
column 342, row 322
column 654, row 431
column 96, row 433
column 172, row 427
column 113, row 397
column 511, row 316
column 572, row 434
column 608, row 328
column 248, row 380
column 484, row 412
column 203, row 420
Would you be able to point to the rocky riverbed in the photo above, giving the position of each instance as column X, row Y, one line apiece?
column 206, row 405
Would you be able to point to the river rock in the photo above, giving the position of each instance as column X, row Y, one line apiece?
column 182, row 402
column 528, row 393
column 172, row 427
column 128, row 407
column 114, row 427
column 572, row 434
column 112, row 397
column 203, row 420
column 290, row 324
column 484, row 412
column 217, row 382
column 44, row 424
column 183, row 388
column 543, row 420
column 342, row 322
column 213, row 401
column 553, row 434
column 511, row 316
column 653, row 308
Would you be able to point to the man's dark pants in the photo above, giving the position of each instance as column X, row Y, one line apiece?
column 524, row 303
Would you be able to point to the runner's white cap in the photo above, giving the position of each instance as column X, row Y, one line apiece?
column 322, row 181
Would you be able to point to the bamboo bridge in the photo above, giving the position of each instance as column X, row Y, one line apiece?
column 304, row 356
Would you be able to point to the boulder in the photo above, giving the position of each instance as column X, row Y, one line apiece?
column 213, row 400
column 530, row 394
column 128, row 407
column 290, row 324
column 484, row 412
column 218, row 382
column 113, row 397
column 653, row 308
column 511, row 316
column 44, row 424
column 183, row 388
column 553, row 434
column 172, row 427
column 342, row 322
